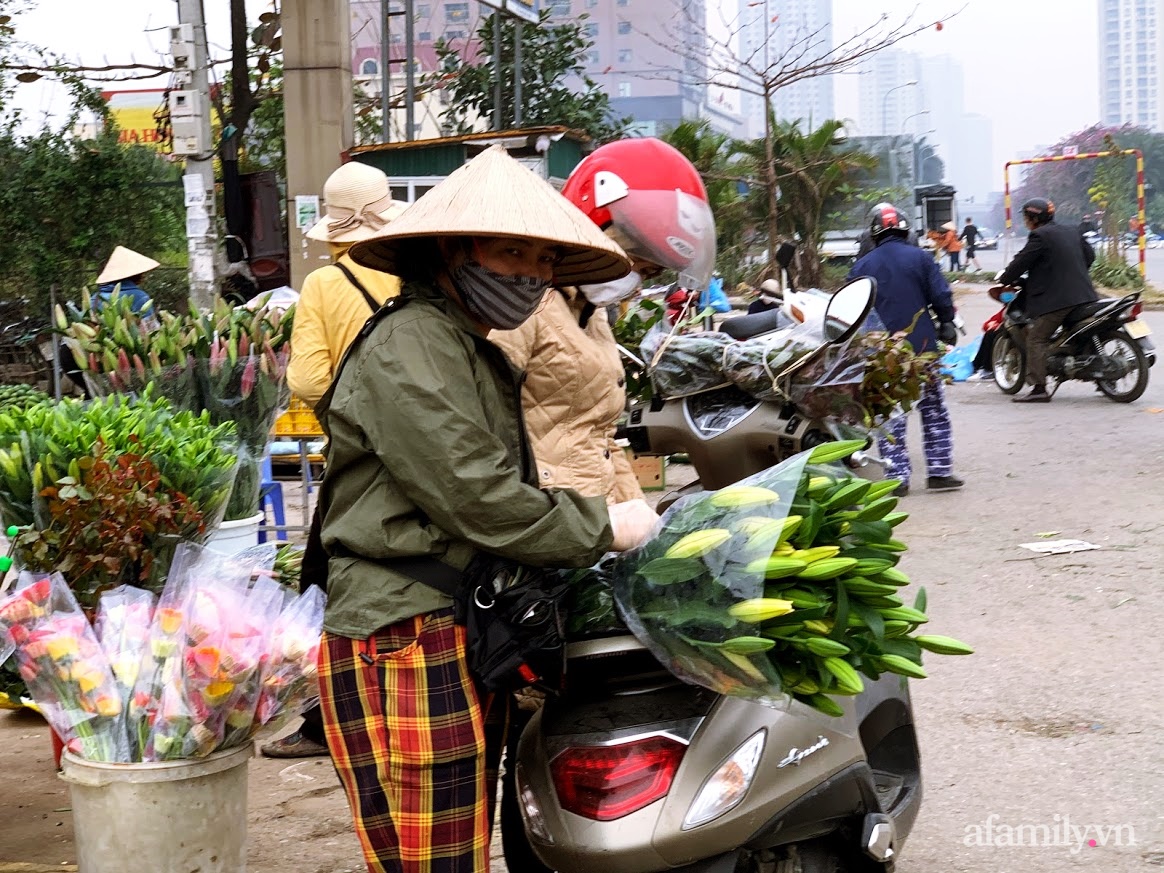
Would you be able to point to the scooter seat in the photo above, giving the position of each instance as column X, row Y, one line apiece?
column 1086, row 310
column 747, row 326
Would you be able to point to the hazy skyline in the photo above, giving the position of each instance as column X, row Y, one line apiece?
column 1045, row 87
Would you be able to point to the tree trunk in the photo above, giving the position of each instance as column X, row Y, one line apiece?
column 770, row 187
column 242, row 106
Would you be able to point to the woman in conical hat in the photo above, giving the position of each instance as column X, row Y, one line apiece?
column 428, row 465
column 122, row 273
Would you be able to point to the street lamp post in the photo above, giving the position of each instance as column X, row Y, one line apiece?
column 918, row 166
column 915, row 115
column 885, row 104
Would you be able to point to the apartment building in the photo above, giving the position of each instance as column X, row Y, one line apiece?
column 1131, row 48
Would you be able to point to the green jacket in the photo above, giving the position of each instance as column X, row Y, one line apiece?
column 428, row 455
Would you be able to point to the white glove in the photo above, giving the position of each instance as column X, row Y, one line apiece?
column 631, row 522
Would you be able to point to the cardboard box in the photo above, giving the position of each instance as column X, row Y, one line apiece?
column 650, row 470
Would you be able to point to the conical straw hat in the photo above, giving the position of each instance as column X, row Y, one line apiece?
column 359, row 204
column 494, row 195
column 949, row 225
column 125, row 263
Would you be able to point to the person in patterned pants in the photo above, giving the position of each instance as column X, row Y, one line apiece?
column 909, row 286
column 937, row 440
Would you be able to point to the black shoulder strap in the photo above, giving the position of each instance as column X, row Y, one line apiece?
column 392, row 304
column 368, row 298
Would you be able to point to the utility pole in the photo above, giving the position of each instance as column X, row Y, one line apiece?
column 190, row 117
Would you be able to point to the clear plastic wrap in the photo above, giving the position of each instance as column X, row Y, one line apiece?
column 831, row 387
column 289, row 675
column 65, row 669
column 756, row 365
column 781, row 588
column 684, row 363
column 250, row 391
column 124, row 617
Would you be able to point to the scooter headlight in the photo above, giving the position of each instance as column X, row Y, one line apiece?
column 727, row 786
column 531, row 812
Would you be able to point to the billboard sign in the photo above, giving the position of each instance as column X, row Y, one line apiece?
column 133, row 111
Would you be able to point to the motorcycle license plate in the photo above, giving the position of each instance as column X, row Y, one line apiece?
column 1137, row 329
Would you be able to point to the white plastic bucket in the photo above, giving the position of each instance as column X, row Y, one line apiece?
column 172, row 817
column 234, row 536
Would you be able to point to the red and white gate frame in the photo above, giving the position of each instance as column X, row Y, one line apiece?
column 1142, row 242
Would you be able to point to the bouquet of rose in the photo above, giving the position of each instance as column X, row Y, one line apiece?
column 225, row 651
column 64, row 667
column 124, row 617
column 289, row 675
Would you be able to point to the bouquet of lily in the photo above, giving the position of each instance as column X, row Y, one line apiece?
column 64, row 667
column 225, row 651
column 783, row 587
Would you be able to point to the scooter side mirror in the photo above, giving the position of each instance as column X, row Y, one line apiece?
column 848, row 308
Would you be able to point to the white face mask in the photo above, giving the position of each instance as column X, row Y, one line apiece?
column 609, row 293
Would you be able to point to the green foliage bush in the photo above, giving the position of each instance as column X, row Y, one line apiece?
column 1116, row 274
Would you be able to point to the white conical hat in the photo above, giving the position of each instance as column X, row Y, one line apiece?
column 949, row 225
column 359, row 203
column 494, row 195
column 124, row 264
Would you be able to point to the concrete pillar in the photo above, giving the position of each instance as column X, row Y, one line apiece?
column 317, row 94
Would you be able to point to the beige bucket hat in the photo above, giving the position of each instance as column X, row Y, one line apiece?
column 494, row 195
column 358, row 202
column 949, row 225
column 125, row 264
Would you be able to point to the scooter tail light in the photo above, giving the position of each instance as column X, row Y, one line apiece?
column 1135, row 311
column 604, row 783
column 726, row 787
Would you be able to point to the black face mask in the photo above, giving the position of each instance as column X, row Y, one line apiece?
column 501, row 302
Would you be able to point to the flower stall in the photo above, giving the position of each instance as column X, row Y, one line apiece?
column 230, row 363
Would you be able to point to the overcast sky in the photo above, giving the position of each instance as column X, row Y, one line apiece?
column 1030, row 66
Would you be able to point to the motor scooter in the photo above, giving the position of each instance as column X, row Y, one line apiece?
column 630, row 770
column 1104, row 341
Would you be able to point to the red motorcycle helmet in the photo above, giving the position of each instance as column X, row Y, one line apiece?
column 649, row 199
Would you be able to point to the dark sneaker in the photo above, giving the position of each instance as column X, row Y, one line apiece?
column 1036, row 396
column 944, row 483
column 294, row 746
column 901, row 490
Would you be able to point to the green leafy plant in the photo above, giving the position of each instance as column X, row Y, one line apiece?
column 116, row 524
column 1116, row 274
column 629, row 332
column 555, row 87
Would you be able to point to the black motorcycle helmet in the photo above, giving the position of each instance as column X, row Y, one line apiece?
column 1038, row 210
column 886, row 220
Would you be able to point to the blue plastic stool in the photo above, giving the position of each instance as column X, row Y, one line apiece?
column 271, row 492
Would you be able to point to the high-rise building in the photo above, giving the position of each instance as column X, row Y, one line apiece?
column 649, row 56
column 634, row 58
column 891, row 96
column 904, row 95
column 772, row 29
column 1131, row 52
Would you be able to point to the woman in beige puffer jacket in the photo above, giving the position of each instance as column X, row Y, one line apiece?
column 573, row 396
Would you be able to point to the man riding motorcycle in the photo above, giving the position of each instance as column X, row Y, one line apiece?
column 1056, row 260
